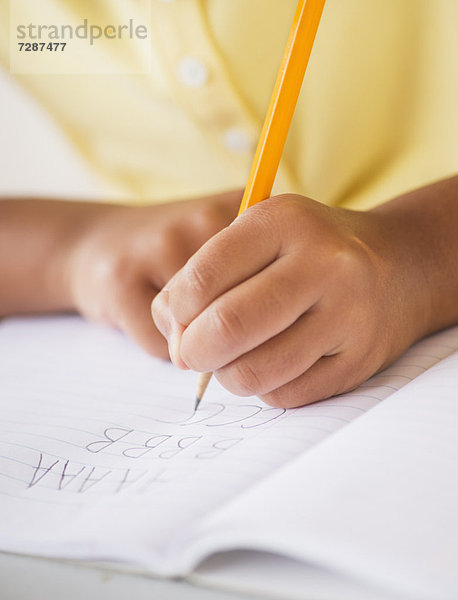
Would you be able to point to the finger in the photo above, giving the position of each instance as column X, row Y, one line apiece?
column 329, row 376
column 133, row 316
column 160, row 312
column 233, row 255
column 251, row 313
column 283, row 358
column 165, row 253
column 168, row 248
column 168, row 327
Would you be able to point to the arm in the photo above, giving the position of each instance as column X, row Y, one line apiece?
column 105, row 261
column 423, row 227
column 296, row 301
column 36, row 241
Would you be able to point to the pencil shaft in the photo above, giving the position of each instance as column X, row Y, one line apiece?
column 278, row 118
column 283, row 102
column 204, row 380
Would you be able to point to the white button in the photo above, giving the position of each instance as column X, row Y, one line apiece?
column 192, row 72
column 237, row 140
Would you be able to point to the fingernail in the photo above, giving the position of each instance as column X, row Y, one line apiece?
column 160, row 313
column 174, row 347
column 174, row 341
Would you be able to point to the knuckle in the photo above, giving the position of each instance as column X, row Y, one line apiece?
column 279, row 398
column 279, row 215
column 344, row 257
column 226, row 323
column 241, row 378
column 352, row 270
column 195, row 276
column 247, row 379
column 349, row 254
column 289, row 206
column 190, row 289
column 261, row 217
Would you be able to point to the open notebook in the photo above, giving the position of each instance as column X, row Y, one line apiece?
column 103, row 459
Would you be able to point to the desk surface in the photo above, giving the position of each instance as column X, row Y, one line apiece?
column 27, row 578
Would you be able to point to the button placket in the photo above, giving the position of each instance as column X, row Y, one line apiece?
column 238, row 140
column 200, row 83
column 192, row 72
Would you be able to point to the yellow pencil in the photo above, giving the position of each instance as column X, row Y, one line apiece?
column 278, row 118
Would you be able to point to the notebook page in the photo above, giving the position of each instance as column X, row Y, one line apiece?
column 101, row 455
column 377, row 501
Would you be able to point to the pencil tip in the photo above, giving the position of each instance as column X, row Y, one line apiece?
column 196, row 406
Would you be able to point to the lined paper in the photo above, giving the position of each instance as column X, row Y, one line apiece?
column 377, row 501
column 102, row 455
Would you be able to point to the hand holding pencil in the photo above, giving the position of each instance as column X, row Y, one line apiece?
column 278, row 118
column 296, row 301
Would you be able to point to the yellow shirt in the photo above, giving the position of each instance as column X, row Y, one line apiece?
column 377, row 113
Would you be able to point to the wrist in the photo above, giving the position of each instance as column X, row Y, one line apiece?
column 78, row 251
column 69, row 225
column 419, row 231
column 36, row 238
column 408, row 286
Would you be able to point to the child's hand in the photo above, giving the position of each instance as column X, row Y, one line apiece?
column 296, row 301
column 126, row 255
